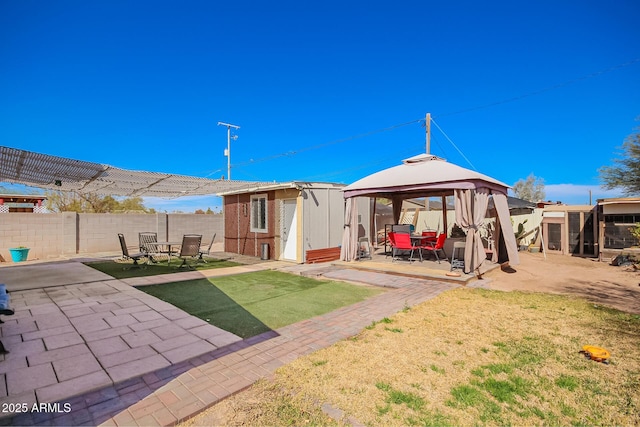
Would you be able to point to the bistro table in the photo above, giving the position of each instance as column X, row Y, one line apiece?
column 420, row 240
column 168, row 245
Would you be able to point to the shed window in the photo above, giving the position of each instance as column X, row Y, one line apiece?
column 259, row 214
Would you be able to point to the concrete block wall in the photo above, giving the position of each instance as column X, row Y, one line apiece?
column 99, row 232
column 180, row 224
column 42, row 233
column 55, row 235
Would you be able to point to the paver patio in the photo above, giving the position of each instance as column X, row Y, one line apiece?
column 113, row 355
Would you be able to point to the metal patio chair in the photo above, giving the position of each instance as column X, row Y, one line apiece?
column 206, row 251
column 402, row 242
column 127, row 255
column 148, row 242
column 190, row 249
column 437, row 247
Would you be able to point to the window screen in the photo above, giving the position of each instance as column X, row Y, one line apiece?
column 259, row 213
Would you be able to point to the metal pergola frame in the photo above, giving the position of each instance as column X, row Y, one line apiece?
column 62, row 174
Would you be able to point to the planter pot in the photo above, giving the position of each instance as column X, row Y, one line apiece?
column 19, row 254
column 534, row 249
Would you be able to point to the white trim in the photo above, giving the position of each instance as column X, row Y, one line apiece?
column 257, row 198
column 280, row 186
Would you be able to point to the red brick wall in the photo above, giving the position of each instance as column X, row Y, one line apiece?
column 237, row 227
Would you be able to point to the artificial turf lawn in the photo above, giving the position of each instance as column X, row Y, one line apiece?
column 252, row 303
column 120, row 270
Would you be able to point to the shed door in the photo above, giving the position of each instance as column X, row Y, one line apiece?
column 554, row 239
column 289, row 229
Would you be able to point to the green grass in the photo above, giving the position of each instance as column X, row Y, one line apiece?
column 517, row 367
column 252, row 303
column 125, row 270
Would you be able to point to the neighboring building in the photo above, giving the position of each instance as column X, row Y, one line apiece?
column 285, row 220
column 571, row 229
column 601, row 231
column 10, row 203
column 616, row 217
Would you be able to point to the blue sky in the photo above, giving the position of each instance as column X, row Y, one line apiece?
column 324, row 91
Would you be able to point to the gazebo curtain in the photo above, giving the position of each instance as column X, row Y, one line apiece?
column 471, row 207
column 349, row 248
column 506, row 228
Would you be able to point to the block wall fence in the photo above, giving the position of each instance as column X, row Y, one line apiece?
column 66, row 234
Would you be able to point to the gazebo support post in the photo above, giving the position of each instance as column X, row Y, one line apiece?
column 445, row 225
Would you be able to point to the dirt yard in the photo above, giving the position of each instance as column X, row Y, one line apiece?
column 599, row 282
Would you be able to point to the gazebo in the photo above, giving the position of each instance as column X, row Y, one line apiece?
column 425, row 175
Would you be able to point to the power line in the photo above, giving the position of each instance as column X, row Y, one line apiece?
column 547, row 89
column 422, row 120
column 326, row 144
column 376, row 162
column 454, row 145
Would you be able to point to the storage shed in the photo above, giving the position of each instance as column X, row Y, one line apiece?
column 570, row 229
column 617, row 217
column 284, row 221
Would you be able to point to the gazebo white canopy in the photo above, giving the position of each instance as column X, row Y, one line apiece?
column 426, row 176
column 59, row 173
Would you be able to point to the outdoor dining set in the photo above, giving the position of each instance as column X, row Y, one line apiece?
column 403, row 242
column 428, row 241
column 149, row 247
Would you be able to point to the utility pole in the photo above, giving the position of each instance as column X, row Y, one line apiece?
column 427, row 125
column 227, row 151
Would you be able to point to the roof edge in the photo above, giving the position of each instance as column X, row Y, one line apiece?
column 281, row 186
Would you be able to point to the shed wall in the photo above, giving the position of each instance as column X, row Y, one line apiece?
column 237, row 228
column 323, row 217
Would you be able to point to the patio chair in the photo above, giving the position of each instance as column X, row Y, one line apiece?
column 392, row 241
column 206, row 251
column 190, row 248
column 430, row 234
column 125, row 252
column 148, row 242
column 438, row 247
column 403, row 243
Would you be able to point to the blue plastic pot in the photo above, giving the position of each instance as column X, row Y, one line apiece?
column 19, row 254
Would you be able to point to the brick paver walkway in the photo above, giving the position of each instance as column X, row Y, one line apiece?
column 172, row 385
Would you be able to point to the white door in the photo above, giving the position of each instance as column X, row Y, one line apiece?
column 289, row 229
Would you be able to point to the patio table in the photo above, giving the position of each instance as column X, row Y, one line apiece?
column 420, row 240
column 168, row 245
